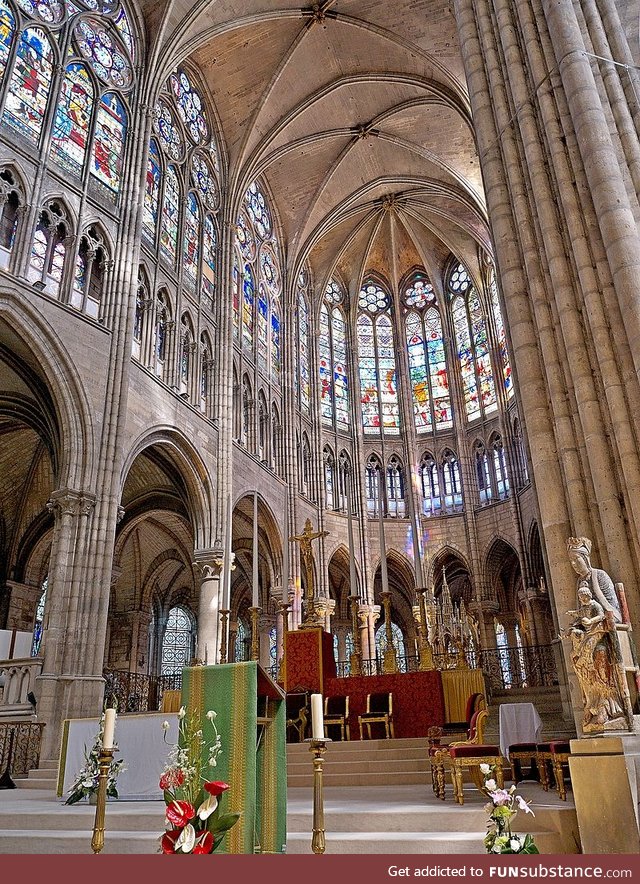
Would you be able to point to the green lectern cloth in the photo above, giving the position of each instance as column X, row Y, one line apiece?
column 253, row 758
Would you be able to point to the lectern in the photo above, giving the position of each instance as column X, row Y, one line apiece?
column 251, row 721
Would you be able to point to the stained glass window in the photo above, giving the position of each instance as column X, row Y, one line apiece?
column 49, row 11
column 269, row 269
column 151, row 191
column 333, row 293
column 29, row 86
column 397, row 640
column 107, row 58
column 245, row 238
column 109, row 142
column 324, row 366
column 170, row 215
column 205, row 181
column 191, row 257
column 39, row 620
column 418, row 372
column 248, row 296
column 189, row 106
column 168, row 131
column 177, row 641
column 209, row 242
column 276, row 355
column 303, row 348
column 7, row 25
column 263, row 318
column 257, row 207
column 368, row 375
column 124, row 29
column 502, row 339
column 340, row 381
column 73, row 115
column 438, row 369
column 235, row 287
column 473, row 345
column 387, row 375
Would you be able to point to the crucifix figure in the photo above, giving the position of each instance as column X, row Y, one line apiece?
column 306, row 554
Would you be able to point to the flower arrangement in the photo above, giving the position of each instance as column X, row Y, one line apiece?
column 502, row 809
column 86, row 782
column 194, row 818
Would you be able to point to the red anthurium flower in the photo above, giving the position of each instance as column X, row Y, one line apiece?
column 168, row 842
column 179, row 813
column 171, row 778
column 204, row 843
column 216, row 788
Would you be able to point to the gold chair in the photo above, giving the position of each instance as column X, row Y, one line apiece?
column 297, row 714
column 336, row 714
column 556, row 753
column 467, row 754
column 379, row 709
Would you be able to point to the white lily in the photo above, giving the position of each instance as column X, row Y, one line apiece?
column 186, row 839
column 211, row 714
column 165, row 725
column 491, row 785
column 182, row 713
column 515, row 844
column 485, row 769
column 207, row 807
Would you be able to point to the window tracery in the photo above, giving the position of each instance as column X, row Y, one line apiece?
column 377, row 361
column 332, row 362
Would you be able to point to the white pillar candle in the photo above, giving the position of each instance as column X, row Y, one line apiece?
column 109, row 728
column 317, row 718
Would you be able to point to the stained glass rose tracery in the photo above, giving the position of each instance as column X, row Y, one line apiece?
column 257, row 207
column 189, row 106
column 168, row 132
column 49, row 11
column 205, row 181
column 108, row 59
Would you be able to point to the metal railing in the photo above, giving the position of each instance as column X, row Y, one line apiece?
column 519, row 667
column 137, row 692
column 20, row 746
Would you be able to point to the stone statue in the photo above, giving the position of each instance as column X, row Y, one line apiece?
column 312, row 617
column 602, row 588
column 595, row 650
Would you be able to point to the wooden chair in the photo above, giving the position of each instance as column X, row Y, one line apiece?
column 379, row 709
column 442, row 736
column 556, row 755
column 467, row 754
column 336, row 714
column 297, row 715
column 526, row 753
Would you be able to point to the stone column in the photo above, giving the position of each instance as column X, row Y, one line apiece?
column 265, row 623
column 208, row 567
column 67, row 687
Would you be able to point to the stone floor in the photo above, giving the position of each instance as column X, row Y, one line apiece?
column 395, row 820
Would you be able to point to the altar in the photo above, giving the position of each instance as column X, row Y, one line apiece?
column 142, row 744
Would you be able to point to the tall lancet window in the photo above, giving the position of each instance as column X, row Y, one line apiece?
column 427, row 365
column 303, row 382
column 472, row 345
column 334, row 385
column 505, row 362
column 377, row 361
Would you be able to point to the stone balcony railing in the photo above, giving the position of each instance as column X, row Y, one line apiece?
column 18, row 679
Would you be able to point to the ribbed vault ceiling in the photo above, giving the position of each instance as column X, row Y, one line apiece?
column 354, row 114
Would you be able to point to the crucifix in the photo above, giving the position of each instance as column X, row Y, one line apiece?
column 306, row 554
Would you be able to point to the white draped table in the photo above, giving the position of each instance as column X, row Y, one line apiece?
column 141, row 744
column 519, row 723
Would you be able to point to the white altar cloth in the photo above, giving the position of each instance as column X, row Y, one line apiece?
column 519, row 723
column 141, row 744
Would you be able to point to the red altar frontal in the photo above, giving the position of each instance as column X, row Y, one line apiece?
column 309, row 665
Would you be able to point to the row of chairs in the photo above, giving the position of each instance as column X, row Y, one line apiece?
column 543, row 759
column 336, row 715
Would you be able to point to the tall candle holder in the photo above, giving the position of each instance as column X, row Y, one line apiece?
column 104, row 763
column 255, row 635
column 390, row 661
column 355, row 659
column 224, row 619
column 317, row 749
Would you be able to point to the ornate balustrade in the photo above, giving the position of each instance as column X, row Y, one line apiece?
column 18, row 679
column 20, row 746
column 524, row 667
column 137, row 692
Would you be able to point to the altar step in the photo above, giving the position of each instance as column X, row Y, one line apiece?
column 547, row 701
column 396, row 820
column 44, row 777
column 401, row 762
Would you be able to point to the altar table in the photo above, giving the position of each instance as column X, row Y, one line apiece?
column 141, row 744
column 519, row 723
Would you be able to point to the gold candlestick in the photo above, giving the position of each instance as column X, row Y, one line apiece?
column 224, row 618
column 355, row 660
column 255, row 635
column 390, row 661
column 104, row 762
column 318, row 748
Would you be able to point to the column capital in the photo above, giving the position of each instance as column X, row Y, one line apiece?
column 67, row 502
column 208, row 563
